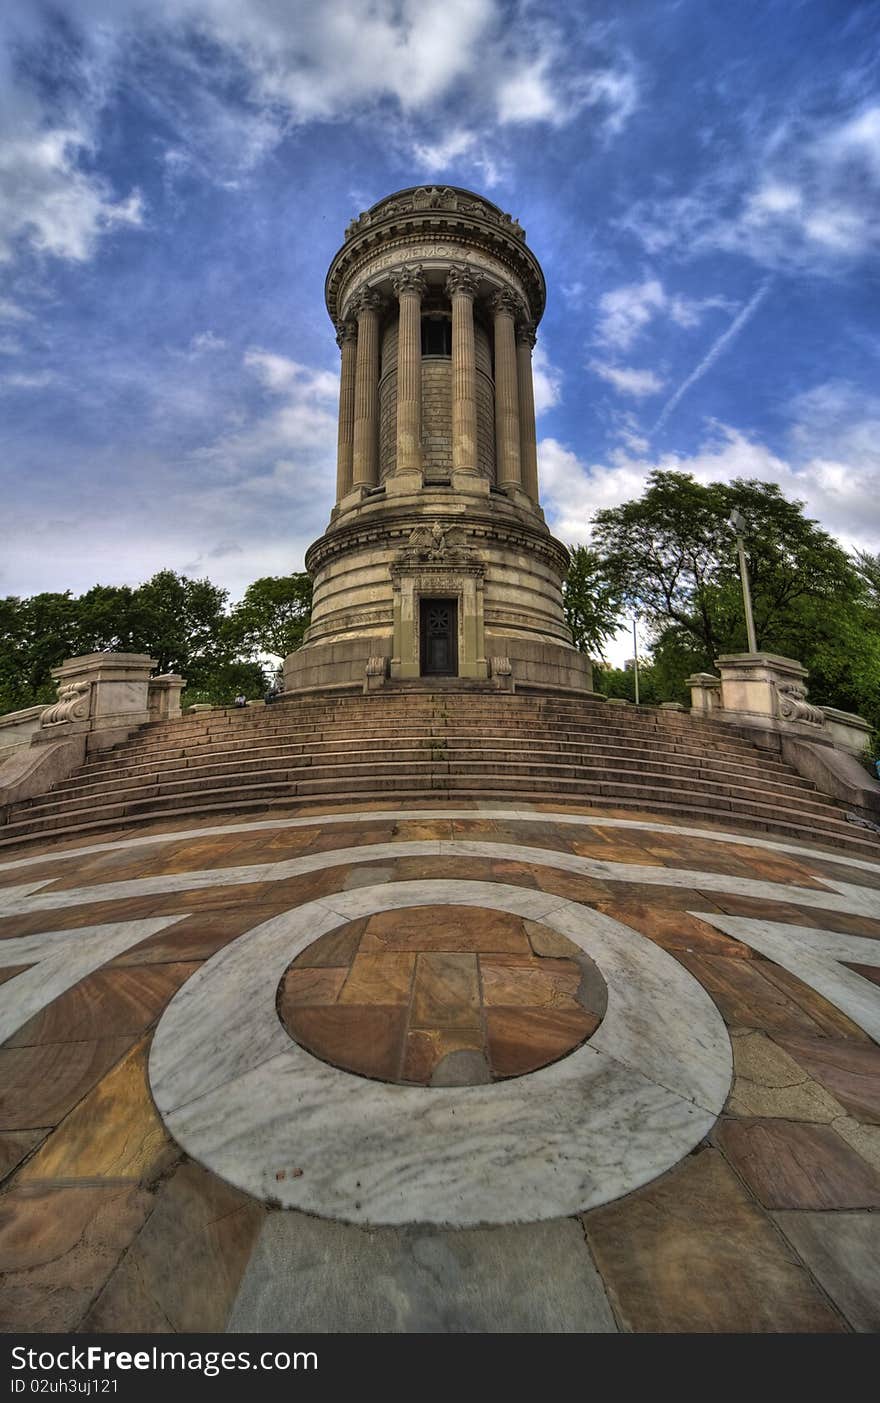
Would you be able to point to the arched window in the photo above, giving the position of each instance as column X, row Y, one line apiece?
column 436, row 336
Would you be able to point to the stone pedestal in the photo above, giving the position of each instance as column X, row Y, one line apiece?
column 101, row 695
column 163, row 696
column 765, row 686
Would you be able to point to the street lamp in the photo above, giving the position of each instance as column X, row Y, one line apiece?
column 738, row 522
column 636, row 656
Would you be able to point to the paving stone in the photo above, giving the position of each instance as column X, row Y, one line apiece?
column 58, row 1245
column 446, row 991
column 446, row 928
column 114, row 1133
column 540, row 983
column 39, row 1085
column 678, row 930
column 692, row 1253
column 384, row 978
column 864, row 1139
column 363, row 1039
column 187, row 1262
column 851, row 1073
column 15, row 1145
column 312, row 1276
column 336, row 948
column 745, row 998
column 767, row 1082
column 788, row 1164
column 309, row 986
column 109, row 1003
column 842, row 1251
column 521, row 1040
column 427, row 1047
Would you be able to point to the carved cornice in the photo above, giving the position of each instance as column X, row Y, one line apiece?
column 459, row 220
column 409, row 278
column 391, row 536
column 462, row 278
column 430, row 197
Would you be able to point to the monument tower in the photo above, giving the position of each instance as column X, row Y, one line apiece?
column 437, row 561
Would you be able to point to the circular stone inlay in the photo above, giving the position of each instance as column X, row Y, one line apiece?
column 441, row 996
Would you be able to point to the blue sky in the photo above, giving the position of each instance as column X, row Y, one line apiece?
column 700, row 182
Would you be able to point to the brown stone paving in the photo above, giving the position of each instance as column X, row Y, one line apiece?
column 414, row 986
column 105, row 1225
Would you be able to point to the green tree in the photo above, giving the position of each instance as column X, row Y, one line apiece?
column 272, row 617
column 35, row 635
column 671, row 554
column 592, row 601
column 181, row 622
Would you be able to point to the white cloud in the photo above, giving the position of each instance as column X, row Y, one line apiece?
column 809, row 199
column 461, row 148
column 207, row 341
column 49, row 201
column 626, row 311
column 833, row 466
column 542, row 89
column 36, row 380
column 627, row 380
column 11, row 312
column 547, row 380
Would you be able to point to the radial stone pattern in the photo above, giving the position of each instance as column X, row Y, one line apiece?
column 504, row 1069
column 436, row 298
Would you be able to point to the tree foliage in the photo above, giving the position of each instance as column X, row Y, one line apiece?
column 273, row 616
column 670, row 556
column 185, row 624
column 592, row 602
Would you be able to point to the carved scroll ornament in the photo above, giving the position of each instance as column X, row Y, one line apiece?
column 793, row 705
column 73, row 704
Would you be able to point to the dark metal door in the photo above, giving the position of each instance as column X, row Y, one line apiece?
column 438, row 629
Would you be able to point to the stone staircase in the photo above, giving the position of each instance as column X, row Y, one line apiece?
column 412, row 745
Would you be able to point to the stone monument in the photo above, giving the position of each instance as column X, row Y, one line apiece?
column 437, row 562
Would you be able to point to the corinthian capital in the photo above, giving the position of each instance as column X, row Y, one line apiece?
column 346, row 331
column 461, row 278
column 505, row 301
column 367, row 300
column 409, row 278
column 525, row 333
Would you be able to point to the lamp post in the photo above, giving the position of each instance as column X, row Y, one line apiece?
column 636, row 656
column 738, row 522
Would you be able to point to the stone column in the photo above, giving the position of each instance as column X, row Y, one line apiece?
column 461, row 287
column 365, row 455
column 346, row 340
column 409, row 288
column 528, row 441
column 504, row 309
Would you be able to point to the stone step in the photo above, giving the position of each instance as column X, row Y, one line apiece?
column 677, row 767
column 220, row 759
column 844, row 837
column 304, row 778
column 144, row 747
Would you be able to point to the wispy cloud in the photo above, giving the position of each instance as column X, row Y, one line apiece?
column 628, row 380
column 717, row 349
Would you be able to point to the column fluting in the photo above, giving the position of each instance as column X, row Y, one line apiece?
column 346, row 340
column 365, row 457
column 528, row 439
column 504, row 309
column 461, row 286
column 409, row 288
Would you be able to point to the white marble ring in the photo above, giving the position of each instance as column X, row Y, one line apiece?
column 265, row 1115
